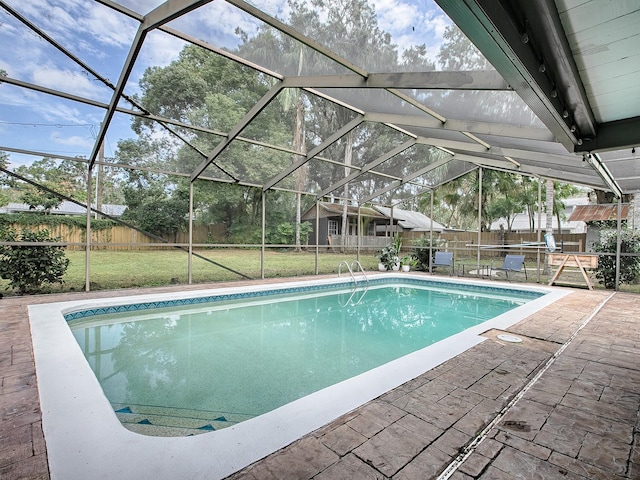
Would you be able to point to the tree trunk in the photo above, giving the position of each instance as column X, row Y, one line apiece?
column 299, row 145
column 301, row 174
column 348, row 152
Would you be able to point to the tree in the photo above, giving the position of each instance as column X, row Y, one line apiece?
column 154, row 204
column 4, row 162
column 629, row 265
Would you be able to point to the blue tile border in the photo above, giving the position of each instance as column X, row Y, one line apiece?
column 422, row 282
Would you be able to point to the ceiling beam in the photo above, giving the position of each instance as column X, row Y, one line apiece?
column 586, row 178
column 616, row 135
column 170, row 10
column 495, row 27
column 477, row 128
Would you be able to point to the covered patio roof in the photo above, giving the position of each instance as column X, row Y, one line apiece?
column 562, row 103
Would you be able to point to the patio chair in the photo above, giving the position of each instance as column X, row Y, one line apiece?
column 512, row 263
column 443, row 259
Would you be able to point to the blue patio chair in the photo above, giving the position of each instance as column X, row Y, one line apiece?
column 512, row 263
column 443, row 259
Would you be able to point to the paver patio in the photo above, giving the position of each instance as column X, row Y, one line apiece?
column 578, row 420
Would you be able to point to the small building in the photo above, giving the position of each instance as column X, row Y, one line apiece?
column 378, row 224
column 598, row 213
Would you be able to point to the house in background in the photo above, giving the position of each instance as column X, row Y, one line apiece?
column 521, row 223
column 379, row 223
column 65, row 208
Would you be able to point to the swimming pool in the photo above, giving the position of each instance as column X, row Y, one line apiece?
column 84, row 435
column 195, row 368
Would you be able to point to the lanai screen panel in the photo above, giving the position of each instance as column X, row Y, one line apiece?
column 377, row 38
column 83, row 29
column 445, row 173
column 227, row 27
column 625, row 167
column 478, row 105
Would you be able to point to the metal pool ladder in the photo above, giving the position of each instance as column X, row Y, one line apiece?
column 355, row 282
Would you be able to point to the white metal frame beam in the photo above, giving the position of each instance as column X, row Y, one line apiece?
column 471, row 80
column 315, row 151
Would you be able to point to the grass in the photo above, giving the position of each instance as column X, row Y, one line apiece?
column 149, row 268
column 145, row 268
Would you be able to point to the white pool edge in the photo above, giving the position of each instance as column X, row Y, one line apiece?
column 85, row 439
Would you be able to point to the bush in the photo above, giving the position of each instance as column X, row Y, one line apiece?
column 629, row 266
column 390, row 254
column 421, row 251
column 28, row 267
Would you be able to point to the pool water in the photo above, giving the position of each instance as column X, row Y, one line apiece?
column 197, row 368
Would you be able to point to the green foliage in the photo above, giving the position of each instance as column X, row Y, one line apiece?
column 37, row 198
column 64, row 177
column 29, row 267
column 390, row 254
column 422, row 251
column 155, row 210
column 410, row 260
column 285, row 233
column 36, row 219
column 629, row 266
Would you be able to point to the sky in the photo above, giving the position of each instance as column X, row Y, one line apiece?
column 101, row 38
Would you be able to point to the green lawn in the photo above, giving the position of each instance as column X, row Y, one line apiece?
column 126, row 269
column 145, row 268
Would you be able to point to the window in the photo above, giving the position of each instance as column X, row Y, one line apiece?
column 333, row 227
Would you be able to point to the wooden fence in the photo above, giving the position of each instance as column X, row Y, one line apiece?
column 461, row 243
column 120, row 237
column 492, row 245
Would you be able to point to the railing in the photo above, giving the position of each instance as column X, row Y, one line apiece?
column 355, row 282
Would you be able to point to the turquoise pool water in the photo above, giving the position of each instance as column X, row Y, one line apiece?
column 205, row 366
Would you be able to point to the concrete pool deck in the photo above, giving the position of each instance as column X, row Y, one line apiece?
column 578, row 420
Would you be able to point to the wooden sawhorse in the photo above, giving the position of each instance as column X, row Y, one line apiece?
column 573, row 260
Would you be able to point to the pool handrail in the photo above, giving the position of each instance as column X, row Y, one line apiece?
column 350, row 268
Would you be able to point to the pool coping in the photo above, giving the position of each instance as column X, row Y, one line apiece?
column 86, row 440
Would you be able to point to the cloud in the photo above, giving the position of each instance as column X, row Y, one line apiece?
column 206, row 25
column 109, row 27
column 66, row 80
column 73, row 141
column 412, row 23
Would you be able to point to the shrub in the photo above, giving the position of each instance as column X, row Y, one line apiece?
column 390, row 254
column 421, row 251
column 28, row 267
column 629, row 266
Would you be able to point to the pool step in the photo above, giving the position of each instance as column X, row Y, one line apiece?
column 174, row 422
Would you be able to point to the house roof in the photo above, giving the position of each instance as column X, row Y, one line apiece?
column 336, row 209
column 595, row 213
column 409, row 220
column 65, row 208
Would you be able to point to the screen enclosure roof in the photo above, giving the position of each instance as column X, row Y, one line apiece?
column 375, row 112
